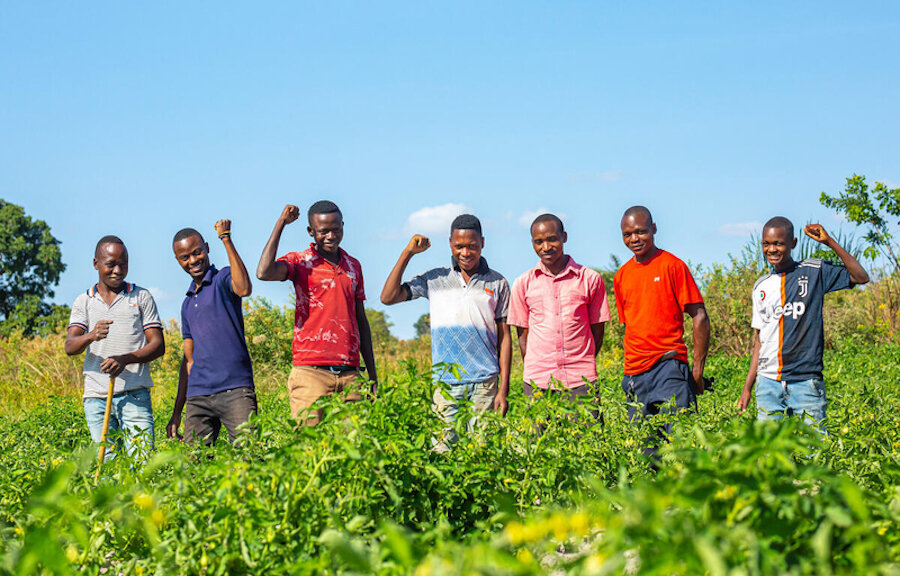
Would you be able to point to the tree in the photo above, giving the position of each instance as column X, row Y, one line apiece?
column 380, row 327
column 871, row 209
column 30, row 266
column 423, row 326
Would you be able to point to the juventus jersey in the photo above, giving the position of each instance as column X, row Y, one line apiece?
column 787, row 311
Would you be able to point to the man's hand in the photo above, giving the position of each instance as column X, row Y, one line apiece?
column 290, row 214
column 501, row 404
column 374, row 389
column 172, row 427
column 114, row 365
column 223, row 226
column 418, row 244
column 817, row 232
column 744, row 401
column 100, row 331
column 699, row 384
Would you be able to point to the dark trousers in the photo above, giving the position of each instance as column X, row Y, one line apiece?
column 666, row 388
column 205, row 415
column 582, row 394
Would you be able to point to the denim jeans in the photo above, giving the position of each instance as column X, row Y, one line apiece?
column 775, row 399
column 130, row 420
column 480, row 394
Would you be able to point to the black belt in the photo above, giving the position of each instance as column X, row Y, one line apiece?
column 339, row 369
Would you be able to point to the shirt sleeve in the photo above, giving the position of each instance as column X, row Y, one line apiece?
column 756, row 319
column 619, row 296
column 418, row 286
column 835, row 277
column 518, row 309
column 686, row 291
column 149, row 314
column 503, row 296
column 79, row 316
column 185, row 325
column 598, row 306
column 292, row 262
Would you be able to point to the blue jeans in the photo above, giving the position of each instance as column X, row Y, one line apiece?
column 480, row 394
column 130, row 414
column 775, row 399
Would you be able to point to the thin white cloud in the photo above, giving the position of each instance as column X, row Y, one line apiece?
column 528, row 216
column 434, row 219
column 596, row 177
column 741, row 229
column 159, row 294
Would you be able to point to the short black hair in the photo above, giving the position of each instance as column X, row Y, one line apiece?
column 108, row 239
column 186, row 233
column 780, row 222
column 635, row 210
column 466, row 222
column 322, row 207
column 548, row 218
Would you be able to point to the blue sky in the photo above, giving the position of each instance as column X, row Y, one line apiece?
column 138, row 120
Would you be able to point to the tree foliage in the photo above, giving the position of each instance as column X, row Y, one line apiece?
column 423, row 326
column 872, row 208
column 380, row 327
column 30, row 265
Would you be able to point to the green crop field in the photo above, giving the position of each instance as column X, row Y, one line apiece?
column 362, row 493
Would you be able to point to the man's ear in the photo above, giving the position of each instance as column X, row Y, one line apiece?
column 794, row 243
column 206, row 246
column 482, row 241
column 653, row 227
column 310, row 231
column 565, row 237
column 96, row 264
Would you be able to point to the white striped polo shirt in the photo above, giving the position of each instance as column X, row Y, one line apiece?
column 132, row 312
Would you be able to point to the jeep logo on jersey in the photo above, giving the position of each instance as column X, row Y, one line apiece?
column 792, row 309
column 803, row 284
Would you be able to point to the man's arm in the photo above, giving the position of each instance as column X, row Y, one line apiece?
column 270, row 269
column 77, row 340
column 504, row 353
column 186, row 363
column 393, row 292
column 365, row 345
column 751, row 375
column 240, row 279
column 155, row 347
column 701, row 342
column 522, row 334
column 597, row 332
column 858, row 274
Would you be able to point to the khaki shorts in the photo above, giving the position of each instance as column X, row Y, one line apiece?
column 306, row 384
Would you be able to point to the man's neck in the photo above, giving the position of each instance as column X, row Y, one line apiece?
column 557, row 267
column 333, row 257
column 646, row 257
column 785, row 267
column 108, row 293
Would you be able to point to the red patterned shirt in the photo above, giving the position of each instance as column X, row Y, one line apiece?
column 325, row 329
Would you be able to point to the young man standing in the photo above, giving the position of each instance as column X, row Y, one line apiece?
column 559, row 308
column 330, row 324
column 468, row 303
column 216, row 379
column 788, row 338
column 117, row 323
column 654, row 290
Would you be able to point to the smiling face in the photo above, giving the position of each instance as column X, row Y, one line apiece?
column 637, row 233
column 111, row 261
column 327, row 230
column 465, row 247
column 547, row 241
column 192, row 254
column 777, row 244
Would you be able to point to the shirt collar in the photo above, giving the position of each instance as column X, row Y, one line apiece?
column 315, row 253
column 207, row 280
column 572, row 267
column 482, row 266
column 93, row 290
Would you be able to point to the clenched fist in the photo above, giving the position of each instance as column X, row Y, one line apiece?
column 418, row 244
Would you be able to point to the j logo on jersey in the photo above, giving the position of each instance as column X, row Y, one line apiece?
column 803, row 285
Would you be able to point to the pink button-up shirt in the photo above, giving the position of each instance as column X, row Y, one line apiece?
column 558, row 312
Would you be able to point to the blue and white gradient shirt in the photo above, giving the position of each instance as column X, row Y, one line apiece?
column 463, row 320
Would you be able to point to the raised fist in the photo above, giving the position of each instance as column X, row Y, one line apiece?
column 223, row 226
column 290, row 214
column 418, row 244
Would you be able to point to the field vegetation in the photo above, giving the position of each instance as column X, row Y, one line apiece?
column 362, row 492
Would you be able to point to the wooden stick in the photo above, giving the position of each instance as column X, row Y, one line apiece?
column 109, row 397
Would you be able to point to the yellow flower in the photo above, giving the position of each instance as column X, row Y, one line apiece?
column 158, row 517
column 524, row 556
column 72, row 554
column 143, row 501
column 594, row 563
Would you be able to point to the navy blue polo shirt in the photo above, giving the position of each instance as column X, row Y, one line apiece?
column 211, row 316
